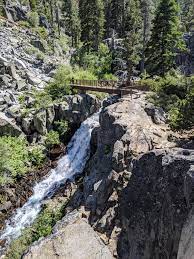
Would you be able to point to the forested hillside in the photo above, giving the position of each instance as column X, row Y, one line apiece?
column 142, row 35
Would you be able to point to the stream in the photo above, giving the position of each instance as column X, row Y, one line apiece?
column 71, row 164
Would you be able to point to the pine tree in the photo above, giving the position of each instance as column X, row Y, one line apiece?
column 117, row 17
column 166, row 38
column 132, row 39
column 92, row 23
column 73, row 27
column 147, row 11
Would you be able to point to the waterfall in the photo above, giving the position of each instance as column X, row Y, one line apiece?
column 72, row 163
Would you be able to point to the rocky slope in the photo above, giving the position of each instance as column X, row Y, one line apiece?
column 25, row 62
column 73, row 238
column 26, row 65
column 137, row 190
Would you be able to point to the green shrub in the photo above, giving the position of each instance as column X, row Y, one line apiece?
column 170, row 85
column 82, row 74
column 42, row 32
column 31, row 50
column 52, row 139
column 34, row 51
column 62, row 127
column 46, row 221
column 182, row 115
column 36, row 155
column 60, row 86
column 41, row 227
column 33, row 19
column 17, row 158
column 100, row 96
column 40, row 56
column 110, row 77
column 24, row 24
column 99, row 63
column 175, row 94
column 42, row 100
column 64, row 43
column 21, row 99
column 149, row 83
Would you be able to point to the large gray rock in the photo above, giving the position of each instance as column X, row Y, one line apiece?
column 38, row 44
column 40, row 122
column 14, row 111
column 50, row 116
column 74, row 239
column 77, row 108
column 8, row 127
column 28, row 124
column 186, row 248
column 125, row 131
column 157, row 114
column 155, row 204
column 33, row 79
column 15, row 12
column 9, row 97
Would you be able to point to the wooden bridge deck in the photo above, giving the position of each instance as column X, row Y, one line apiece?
column 106, row 86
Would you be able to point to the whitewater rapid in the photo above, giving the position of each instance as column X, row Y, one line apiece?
column 71, row 164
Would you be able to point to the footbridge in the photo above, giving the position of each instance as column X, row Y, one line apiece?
column 108, row 86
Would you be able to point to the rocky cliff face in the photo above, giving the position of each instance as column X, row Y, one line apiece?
column 187, row 238
column 74, row 109
column 155, row 204
column 138, row 203
column 138, row 186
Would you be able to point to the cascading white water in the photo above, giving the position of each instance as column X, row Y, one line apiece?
column 68, row 166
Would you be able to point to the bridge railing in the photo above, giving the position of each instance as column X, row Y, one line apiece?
column 109, row 84
column 95, row 83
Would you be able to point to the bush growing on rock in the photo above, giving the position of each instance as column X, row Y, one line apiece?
column 41, row 227
column 17, row 158
column 175, row 94
column 33, row 19
column 42, row 32
column 42, row 100
column 60, row 86
column 14, row 160
column 52, row 139
column 36, row 155
column 64, row 43
column 98, row 63
column 62, row 127
column 24, row 24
